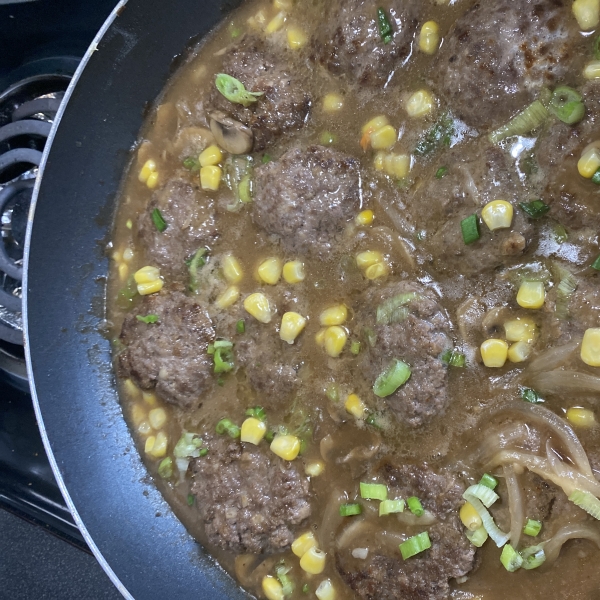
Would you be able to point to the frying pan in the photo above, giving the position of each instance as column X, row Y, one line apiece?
column 132, row 531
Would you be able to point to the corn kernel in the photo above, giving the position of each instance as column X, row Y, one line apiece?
column 286, row 446
column 138, row 414
column 314, row 468
column 313, row 561
column 531, row 294
column 355, row 406
column 587, row 13
column 276, row 23
column 228, row 298
column 494, row 352
column 232, row 270
column 469, row 517
column 376, row 271
column 152, row 180
column 379, row 161
column 269, row 270
column 419, row 104
column 211, row 156
column 257, row 21
column 150, row 398
column 293, row 271
column 520, row 330
column 149, row 444
column 128, row 254
column 117, row 256
column 130, row 389
column 148, row 168
column 129, row 224
column 589, row 163
column 374, row 124
column 592, row 70
column 145, row 289
column 519, row 352
column 210, row 178
column 365, row 217
column 144, row 428
column 590, row 347
column 156, row 446
column 296, row 37
column 302, row 544
column 146, row 275
column 581, row 417
column 258, row 306
column 320, row 337
column 333, row 102
column 429, row 38
column 384, row 138
column 123, row 271
column 292, row 325
column 334, row 340
column 272, row 589
column 253, row 431
column 366, row 259
column 397, row 165
column 497, row 214
column 325, row 591
column 283, row 5
column 157, row 417
column 334, row 315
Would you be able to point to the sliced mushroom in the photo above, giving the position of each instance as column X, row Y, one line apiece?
column 231, row 135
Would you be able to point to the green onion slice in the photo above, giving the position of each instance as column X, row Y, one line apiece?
column 477, row 537
column 373, row 491
column 470, row 229
column 165, row 468
column 223, row 358
column 586, row 501
column 227, row 426
column 190, row 500
column 348, row 510
column 240, row 326
column 191, row 163
column 388, row 507
column 394, row 309
column 560, row 234
column 370, row 336
column 500, row 538
column 511, row 559
column 258, row 412
column 524, row 122
column 440, row 134
column 415, row 506
column 189, row 445
column 535, row 209
column 196, row 262
column 453, row 358
column 158, row 220
column 567, row 105
column 392, row 378
column 415, row 545
column 488, row 481
column 376, row 420
column 483, row 493
column 281, row 571
column 533, row 557
column 596, row 264
column 147, row 318
column 385, row 27
column 327, row 138
column 441, row 172
column 355, row 348
column 565, row 289
column 266, row 158
column 233, row 89
column 531, row 396
column 532, row 527
column 596, row 177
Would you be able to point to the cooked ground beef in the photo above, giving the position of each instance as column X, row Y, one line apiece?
column 169, row 355
column 306, row 198
column 285, row 104
column 258, row 513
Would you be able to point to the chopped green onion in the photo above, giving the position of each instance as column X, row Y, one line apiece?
column 415, row 545
column 210, row 349
column 596, row 177
column 533, row 557
column 489, row 481
column 567, row 105
column 397, row 374
column 415, row 506
column 223, row 344
column 370, row 336
column 385, row 27
column 158, row 220
column 203, row 452
column 355, row 347
column 483, row 493
column 596, row 264
column 511, row 559
column 245, row 188
column 258, row 412
column 191, row 163
column 477, row 537
column 240, row 326
column 327, row 138
column 374, row 419
column 500, row 538
column 226, row 426
column 348, row 510
column 535, row 209
column 223, row 358
column 165, row 468
column 470, row 229
column 238, row 177
column 453, row 358
column 441, row 172
column 560, row 234
column 388, row 507
column 394, row 309
column 233, row 89
column 189, row 445
column 305, row 588
column 586, row 501
column 234, row 31
column 440, row 134
column 373, row 491
column 524, row 122
column 281, row 571
column 266, row 158
column 190, row 499
column 332, row 391
column 565, row 289
column 196, row 262
column 147, row 318
column 531, row 396
column 532, row 527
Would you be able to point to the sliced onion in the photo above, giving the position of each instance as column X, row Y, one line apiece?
column 555, row 382
column 577, row 530
column 515, row 505
column 500, row 538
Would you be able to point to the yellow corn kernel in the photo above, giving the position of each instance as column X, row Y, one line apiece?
column 374, row 124
column 257, row 21
column 210, row 178
column 313, row 561
column 258, row 306
column 379, row 161
column 587, row 13
column 123, row 271
column 365, row 217
column 157, row 417
column 149, row 444
column 296, row 37
column 148, row 168
column 419, row 104
column 272, row 589
column 334, row 340
column 286, row 446
column 520, row 330
column 276, row 23
column 292, row 325
column 334, row 315
column 590, row 347
column 117, row 256
column 531, row 294
column 293, row 271
column 211, row 156
column 397, row 165
column 156, row 446
column 232, row 270
column 589, row 163
column 130, row 389
column 366, row 259
column 333, row 102
column 144, row 428
column 302, row 544
column 146, row 275
column 469, row 517
column 430, row 37
column 519, row 352
column 376, row 271
column 145, row 289
column 497, row 214
column 269, row 270
column 494, row 352
column 150, row 398
column 129, row 224
column 314, row 468
column 384, row 138
column 581, row 417
column 228, row 298
column 253, row 431
column 592, row 70
column 320, row 337
column 152, row 180
column 325, row 591
column 138, row 414
column 355, row 406
column 128, row 254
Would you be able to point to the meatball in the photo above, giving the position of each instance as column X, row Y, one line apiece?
column 258, row 513
column 349, row 41
column 171, row 354
column 190, row 218
column 499, row 55
column 417, row 335
column 285, row 103
column 306, row 198
column 386, row 576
